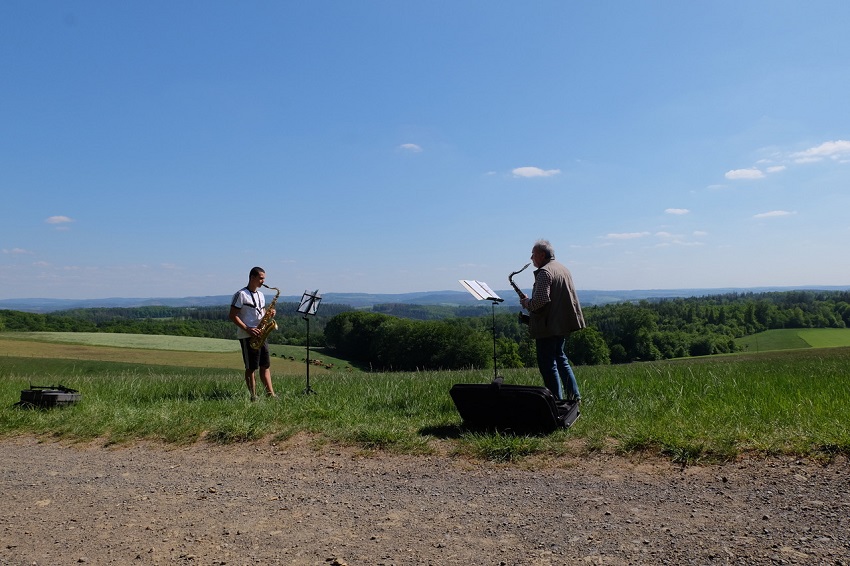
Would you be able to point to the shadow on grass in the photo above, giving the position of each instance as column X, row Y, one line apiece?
column 442, row 431
column 446, row 432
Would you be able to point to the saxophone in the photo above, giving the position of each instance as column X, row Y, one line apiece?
column 523, row 318
column 267, row 323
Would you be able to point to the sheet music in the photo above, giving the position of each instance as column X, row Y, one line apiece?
column 310, row 302
column 480, row 290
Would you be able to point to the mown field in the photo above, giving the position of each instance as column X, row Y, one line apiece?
column 158, row 350
column 782, row 402
column 794, row 338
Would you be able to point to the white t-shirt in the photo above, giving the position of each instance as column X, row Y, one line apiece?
column 252, row 307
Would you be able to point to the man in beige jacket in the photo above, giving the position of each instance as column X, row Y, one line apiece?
column 555, row 312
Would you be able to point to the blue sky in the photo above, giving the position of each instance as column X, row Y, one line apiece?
column 164, row 148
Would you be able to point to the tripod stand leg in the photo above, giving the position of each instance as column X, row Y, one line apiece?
column 495, row 363
column 308, row 390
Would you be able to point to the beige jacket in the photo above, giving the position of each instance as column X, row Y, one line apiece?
column 562, row 314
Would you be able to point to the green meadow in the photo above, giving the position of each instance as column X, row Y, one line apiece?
column 174, row 390
column 794, row 338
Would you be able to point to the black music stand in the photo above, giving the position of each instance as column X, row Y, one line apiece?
column 308, row 307
column 482, row 292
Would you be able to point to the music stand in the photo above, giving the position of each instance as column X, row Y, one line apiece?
column 483, row 292
column 308, row 307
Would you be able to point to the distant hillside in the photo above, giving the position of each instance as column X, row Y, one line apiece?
column 361, row 300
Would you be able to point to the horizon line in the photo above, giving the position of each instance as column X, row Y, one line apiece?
column 646, row 290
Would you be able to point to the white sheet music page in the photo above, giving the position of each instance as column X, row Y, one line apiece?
column 480, row 290
column 310, row 302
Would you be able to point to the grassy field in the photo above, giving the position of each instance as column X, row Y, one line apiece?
column 787, row 402
column 793, row 338
column 159, row 350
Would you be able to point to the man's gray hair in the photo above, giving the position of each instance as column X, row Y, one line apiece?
column 545, row 247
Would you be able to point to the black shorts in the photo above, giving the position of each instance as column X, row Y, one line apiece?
column 254, row 358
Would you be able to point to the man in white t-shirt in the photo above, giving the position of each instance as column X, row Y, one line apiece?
column 246, row 311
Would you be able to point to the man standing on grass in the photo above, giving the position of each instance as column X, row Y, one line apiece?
column 246, row 311
column 555, row 312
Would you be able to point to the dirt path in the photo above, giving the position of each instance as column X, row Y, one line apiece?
column 294, row 504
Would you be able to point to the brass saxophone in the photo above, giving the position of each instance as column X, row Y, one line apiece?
column 267, row 323
column 523, row 318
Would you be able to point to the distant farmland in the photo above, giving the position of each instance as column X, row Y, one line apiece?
column 794, row 338
column 151, row 349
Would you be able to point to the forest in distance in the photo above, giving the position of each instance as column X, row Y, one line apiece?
column 404, row 337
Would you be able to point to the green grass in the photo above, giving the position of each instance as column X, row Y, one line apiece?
column 794, row 402
column 794, row 338
column 826, row 337
column 159, row 350
column 780, row 403
column 118, row 340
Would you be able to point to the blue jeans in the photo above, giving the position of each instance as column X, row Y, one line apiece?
column 555, row 368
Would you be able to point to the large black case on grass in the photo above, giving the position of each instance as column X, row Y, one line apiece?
column 47, row 397
column 517, row 408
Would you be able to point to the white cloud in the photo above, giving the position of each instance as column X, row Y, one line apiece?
column 16, row 251
column 534, row 172
column 627, row 236
column 677, row 242
column 700, row 233
column 838, row 150
column 411, row 147
column 773, row 214
column 751, row 173
column 59, row 220
column 668, row 239
column 676, row 211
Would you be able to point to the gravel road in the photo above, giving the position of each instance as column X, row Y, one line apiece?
column 305, row 504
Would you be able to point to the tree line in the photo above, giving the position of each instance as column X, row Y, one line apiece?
column 410, row 337
column 203, row 322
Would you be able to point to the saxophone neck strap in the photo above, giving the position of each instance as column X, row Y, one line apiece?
column 255, row 300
